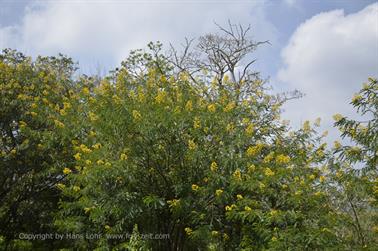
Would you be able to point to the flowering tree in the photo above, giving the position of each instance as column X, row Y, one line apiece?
column 32, row 154
column 209, row 163
column 182, row 146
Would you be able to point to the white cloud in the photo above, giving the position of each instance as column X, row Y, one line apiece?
column 104, row 32
column 328, row 58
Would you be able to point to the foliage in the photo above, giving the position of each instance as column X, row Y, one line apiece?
column 177, row 152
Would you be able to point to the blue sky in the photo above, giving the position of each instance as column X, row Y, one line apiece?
column 326, row 49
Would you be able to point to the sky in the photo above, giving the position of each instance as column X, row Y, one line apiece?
column 325, row 49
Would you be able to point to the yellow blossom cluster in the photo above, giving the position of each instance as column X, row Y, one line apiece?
column 211, row 108
column 196, row 123
column 337, row 117
column 229, row 107
column 189, row 106
column 214, row 166
column 230, row 208
column 191, row 144
column 195, row 187
column 254, row 150
column 268, row 172
column 250, row 129
column 237, row 174
column 218, row 192
column 282, row 159
column 66, row 170
column 136, row 115
column 173, row 203
column 188, row 230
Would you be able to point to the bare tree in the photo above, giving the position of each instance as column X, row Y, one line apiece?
column 220, row 54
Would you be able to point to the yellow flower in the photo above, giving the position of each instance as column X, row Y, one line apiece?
column 13, row 151
column 67, row 170
column 239, row 196
column 211, row 108
column 337, row 144
column 225, row 237
column 322, row 179
column 268, row 172
column 62, row 112
column 92, row 134
column 312, row 177
column 76, row 188
column 96, row 146
column 118, row 101
column 66, row 105
column 160, row 97
column 87, row 209
column 339, row 174
column 251, row 168
column 85, row 91
column 88, row 162
column 230, row 106
column 196, row 123
column 250, row 129
column 60, row 186
column 188, row 230
column 85, row 149
column 136, row 115
column 189, row 106
column 230, row 127
column 22, row 124
column 92, row 116
column 45, row 92
column 318, row 193
column 107, row 227
column 229, row 208
column 247, row 208
column 123, row 156
column 108, row 164
column 100, row 162
column 282, row 159
column 195, row 187
column 237, row 174
column 337, row 117
column 254, row 150
column 33, row 114
column 306, row 126
column 77, row 156
column 192, row 145
column 317, row 122
column 173, row 203
column 214, row 166
column 356, row 98
column 261, row 185
column 218, row 192
column 268, row 158
column 274, row 238
column 214, row 233
column 225, row 78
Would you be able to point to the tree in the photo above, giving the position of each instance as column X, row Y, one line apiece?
column 210, row 164
column 353, row 172
column 32, row 155
column 177, row 152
